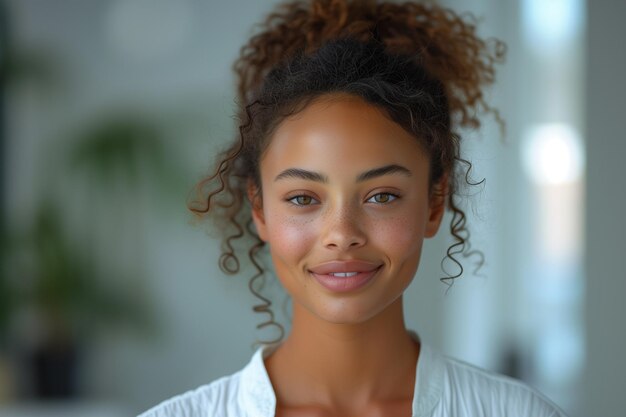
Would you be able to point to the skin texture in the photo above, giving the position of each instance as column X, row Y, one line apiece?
column 337, row 358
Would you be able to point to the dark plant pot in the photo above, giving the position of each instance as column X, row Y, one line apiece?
column 55, row 371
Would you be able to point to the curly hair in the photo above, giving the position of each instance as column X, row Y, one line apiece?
column 422, row 64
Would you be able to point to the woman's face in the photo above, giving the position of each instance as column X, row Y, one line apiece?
column 345, row 208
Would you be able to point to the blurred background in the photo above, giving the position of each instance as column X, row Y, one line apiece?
column 110, row 295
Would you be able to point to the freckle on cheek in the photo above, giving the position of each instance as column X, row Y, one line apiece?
column 291, row 234
column 397, row 233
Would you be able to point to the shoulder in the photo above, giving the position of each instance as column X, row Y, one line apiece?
column 248, row 391
column 218, row 398
column 488, row 393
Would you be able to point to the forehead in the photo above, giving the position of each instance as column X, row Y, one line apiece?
column 342, row 131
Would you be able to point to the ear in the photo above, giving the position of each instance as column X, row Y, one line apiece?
column 437, row 206
column 256, row 203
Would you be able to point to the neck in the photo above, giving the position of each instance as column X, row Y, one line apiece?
column 347, row 364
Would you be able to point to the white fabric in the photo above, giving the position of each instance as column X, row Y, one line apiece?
column 444, row 387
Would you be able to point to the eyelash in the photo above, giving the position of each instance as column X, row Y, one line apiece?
column 292, row 200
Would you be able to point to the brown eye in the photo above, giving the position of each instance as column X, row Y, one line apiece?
column 382, row 198
column 302, row 200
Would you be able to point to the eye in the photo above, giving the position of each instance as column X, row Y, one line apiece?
column 382, row 198
column 302, row 200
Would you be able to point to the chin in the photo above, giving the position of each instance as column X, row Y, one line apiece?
column 348, row 311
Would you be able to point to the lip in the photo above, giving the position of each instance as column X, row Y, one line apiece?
column 365, row 272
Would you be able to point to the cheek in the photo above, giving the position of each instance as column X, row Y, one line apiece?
column 401, row 237
column 290, row 237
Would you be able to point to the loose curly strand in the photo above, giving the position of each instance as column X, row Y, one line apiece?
column 265, row 306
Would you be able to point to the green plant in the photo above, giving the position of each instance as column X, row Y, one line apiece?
column 71, row 294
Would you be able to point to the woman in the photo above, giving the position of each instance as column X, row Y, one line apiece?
column 346, row 160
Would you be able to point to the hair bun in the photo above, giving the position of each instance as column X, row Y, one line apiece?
column 444, row 43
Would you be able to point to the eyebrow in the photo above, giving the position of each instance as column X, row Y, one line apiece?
column 385, row 170
column 302, row 174
column 365, row 176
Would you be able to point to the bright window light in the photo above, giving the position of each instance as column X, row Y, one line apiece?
column 552, row 154
column 550, row 23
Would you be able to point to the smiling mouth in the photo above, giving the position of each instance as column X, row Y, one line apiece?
column 345, row 276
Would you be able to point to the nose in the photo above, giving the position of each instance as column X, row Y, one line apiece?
column 343, row 230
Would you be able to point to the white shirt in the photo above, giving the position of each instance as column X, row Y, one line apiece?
column 444, row 387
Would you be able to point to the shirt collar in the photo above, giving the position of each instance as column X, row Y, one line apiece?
column 257, row 394
column 428, row 380
column 257, row 397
